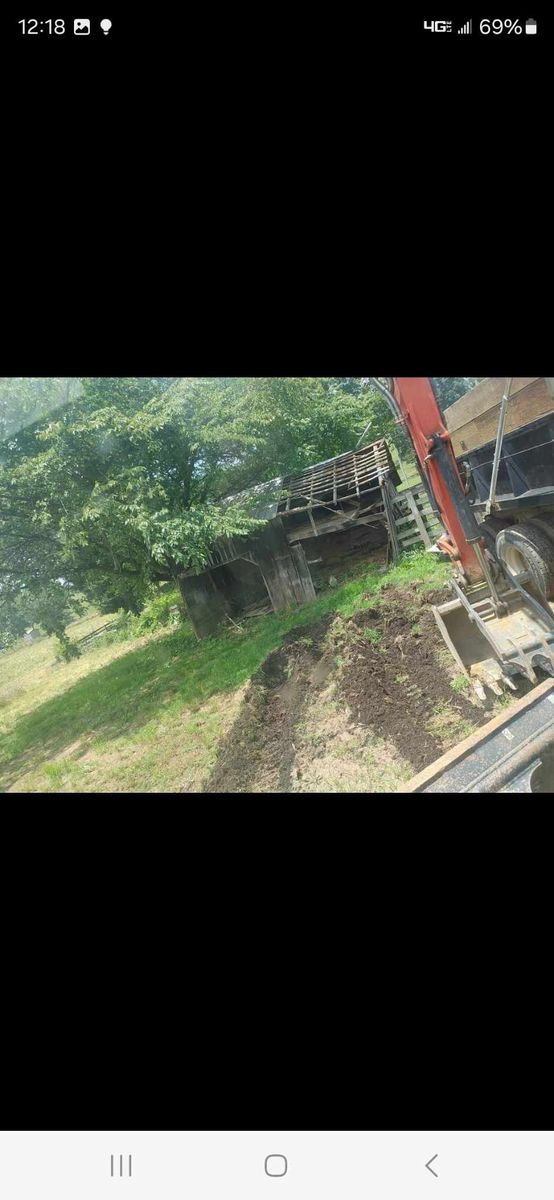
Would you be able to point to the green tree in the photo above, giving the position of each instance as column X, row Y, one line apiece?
column 451, row 388
column 120, row 487
column 50, row 607
column 23, row 401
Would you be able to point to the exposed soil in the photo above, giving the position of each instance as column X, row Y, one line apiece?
column 258, row 752
column 395, row 686
column 393, row 683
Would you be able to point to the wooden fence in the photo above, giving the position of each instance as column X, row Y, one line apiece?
column 90, row 637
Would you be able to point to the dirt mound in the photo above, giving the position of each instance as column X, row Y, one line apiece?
column 389, row 678
column 397, row 685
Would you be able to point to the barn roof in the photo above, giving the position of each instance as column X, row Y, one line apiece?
column 265, row 498
column 332, row 479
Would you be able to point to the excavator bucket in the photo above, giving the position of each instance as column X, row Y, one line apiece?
column 491, row 646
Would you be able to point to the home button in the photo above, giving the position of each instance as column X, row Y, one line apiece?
column 276, row 1164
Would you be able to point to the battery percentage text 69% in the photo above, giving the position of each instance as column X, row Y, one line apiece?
column 500, row 26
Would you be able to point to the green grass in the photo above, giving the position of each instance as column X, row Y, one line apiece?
column 460, row 683
column 147, row 714
column 447, row 724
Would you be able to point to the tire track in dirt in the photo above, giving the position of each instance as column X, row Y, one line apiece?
column 258, row 752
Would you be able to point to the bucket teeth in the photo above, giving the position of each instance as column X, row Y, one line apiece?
column 489, row 674
column 546, row 665
column 494, row 648
column 510, row 683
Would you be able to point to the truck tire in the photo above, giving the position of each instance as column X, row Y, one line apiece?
column 489, row 530
column 526, row 548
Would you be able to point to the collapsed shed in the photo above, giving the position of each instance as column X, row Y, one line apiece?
column 339, row 509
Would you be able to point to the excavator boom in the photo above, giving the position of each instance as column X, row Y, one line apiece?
column 423, row 422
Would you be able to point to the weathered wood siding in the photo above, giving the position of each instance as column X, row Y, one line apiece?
column 283, row 568
column 206, row 603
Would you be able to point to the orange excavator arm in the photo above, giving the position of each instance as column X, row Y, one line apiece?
column 422, row 418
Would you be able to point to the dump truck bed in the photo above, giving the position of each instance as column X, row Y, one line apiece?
column 472, row 421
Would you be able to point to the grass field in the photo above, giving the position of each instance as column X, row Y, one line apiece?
column 148, row 714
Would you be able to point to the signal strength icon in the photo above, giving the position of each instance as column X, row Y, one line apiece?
column 465, row 28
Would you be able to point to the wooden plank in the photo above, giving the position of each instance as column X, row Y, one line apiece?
column 319, row 503
column 407, row 522
column 484, row 429
column 409, row 529
column 480, row 399
column 344, row 478
column 374, row 520
column 309, row 512
column 346, row 471
column 373, row 451
column 325, row 499
column 411, row 541
column 304, row 573
column 342, row 469
column 206, row 605
column 273, row 557
column 409, row 525
column 417, row 490
column 387, row 501
column 430, row 519
column 419, row 521
column 528, row 404
column 90, row 637
column 404, row 520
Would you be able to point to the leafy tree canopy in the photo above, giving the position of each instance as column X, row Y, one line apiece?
column 24, row 401
column 118, row 482
column 110, row 485
column 451, row 388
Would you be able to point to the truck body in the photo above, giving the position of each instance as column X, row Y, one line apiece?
column 495, row 498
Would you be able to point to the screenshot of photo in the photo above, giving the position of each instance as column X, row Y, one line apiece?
column 276, row 584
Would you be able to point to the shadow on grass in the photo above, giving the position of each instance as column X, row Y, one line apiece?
column 121, row 698
column 171, row 672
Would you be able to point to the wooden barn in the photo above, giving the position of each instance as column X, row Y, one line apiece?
column 334, row 511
